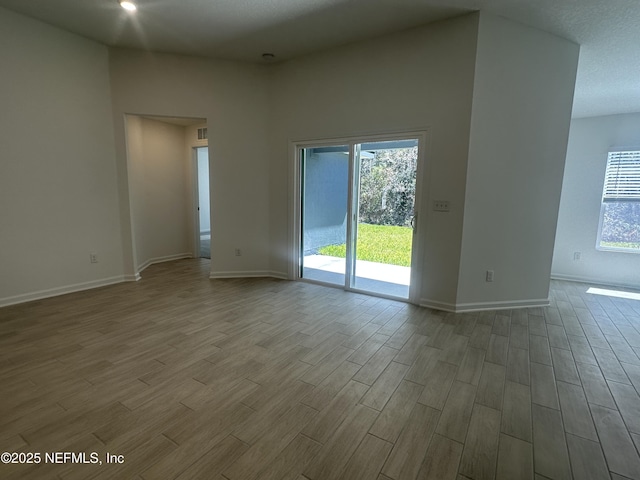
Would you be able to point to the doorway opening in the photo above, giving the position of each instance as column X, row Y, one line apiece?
column 357, row 218
column 203, row 234
column 162, row 186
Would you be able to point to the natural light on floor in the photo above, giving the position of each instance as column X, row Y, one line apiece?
column 614, row 293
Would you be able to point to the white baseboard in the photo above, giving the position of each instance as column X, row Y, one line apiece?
column 167, row 258
column 54, row 292
column 480, row 306
column 249, row 274
column 592, row 281
column 280, row 275
column 446, row 307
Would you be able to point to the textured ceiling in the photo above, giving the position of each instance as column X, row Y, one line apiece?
column 607, row 30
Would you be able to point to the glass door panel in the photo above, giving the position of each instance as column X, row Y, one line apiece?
column 384, row 189
column 324, row 209
column 357, row 215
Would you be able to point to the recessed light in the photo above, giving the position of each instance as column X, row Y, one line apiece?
column 130, row 6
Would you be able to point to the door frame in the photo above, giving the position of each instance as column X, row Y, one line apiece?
column 196, row 196
column 420, row 210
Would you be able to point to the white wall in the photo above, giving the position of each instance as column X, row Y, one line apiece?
column 590, row 139
column 64, row 181
column 161, row 200
column 418, row 79
column 233, row 98
column 58, row 190
column 521, row 112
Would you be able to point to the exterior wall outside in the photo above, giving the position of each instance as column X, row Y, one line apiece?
column 325, row 200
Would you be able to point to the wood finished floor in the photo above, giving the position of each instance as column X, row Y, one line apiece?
column 194, row 378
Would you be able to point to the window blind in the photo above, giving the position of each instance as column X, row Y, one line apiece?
column 622, row 177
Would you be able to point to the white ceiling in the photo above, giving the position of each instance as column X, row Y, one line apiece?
column 607, row 30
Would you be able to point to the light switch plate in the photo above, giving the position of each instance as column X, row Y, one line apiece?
column 441, row 205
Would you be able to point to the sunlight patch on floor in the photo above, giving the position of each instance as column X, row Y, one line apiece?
column 614, row 293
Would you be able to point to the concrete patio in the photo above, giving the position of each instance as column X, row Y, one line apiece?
column 392, row 280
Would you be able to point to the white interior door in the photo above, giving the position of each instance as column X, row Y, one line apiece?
column 203, row 228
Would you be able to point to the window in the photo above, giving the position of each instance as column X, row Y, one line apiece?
column 620, row 211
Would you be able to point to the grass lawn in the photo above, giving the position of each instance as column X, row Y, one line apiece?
column 378, row 243
column 620, row 245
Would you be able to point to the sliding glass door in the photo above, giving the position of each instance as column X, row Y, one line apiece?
column 384, row 198
column 357, row 214
column 324, row 189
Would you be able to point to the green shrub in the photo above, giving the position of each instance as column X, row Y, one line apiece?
column 388, row 187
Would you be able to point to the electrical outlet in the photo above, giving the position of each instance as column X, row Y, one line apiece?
column 93, row 257
column 441, row 205
column 489, row 276
column 577, row 256
column 238, row 252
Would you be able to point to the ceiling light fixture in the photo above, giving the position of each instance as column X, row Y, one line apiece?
column 130, row 6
